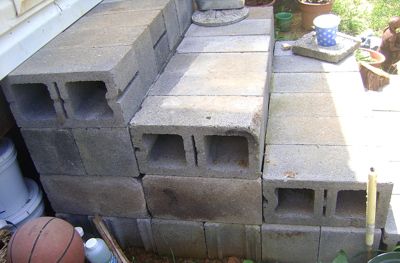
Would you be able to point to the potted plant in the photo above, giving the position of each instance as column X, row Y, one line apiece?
column 310, row 9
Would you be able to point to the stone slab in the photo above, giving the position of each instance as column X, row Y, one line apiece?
column 333, row 82
column 326, row 186
column 224, row 240
column 217, row 18
column 261, row 12
column 184, row 9
column 90, row 195
column 182, row 238
column 214, row 136
column 125, row 231
column 285, row 243
column 53, row 151
column 391, row 232
column 350, row 239
column 227, row 4
column 307, row 46
column 224, row 44
column 245, row 27
column 280, row 51
column 299, row 64
column 162, row 52
column 106, row 151
column 188, row 198
column 146, row 233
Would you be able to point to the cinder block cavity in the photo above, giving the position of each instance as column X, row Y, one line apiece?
column 295, row 201
column 88, row 100
column 227, row 152
column 165, row 150
column 351, row 203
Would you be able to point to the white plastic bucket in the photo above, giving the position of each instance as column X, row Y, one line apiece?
column 13, row 191
column 326, row 27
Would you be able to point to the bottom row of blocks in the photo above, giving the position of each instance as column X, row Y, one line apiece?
column 267, row 243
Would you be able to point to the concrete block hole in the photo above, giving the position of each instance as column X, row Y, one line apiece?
column 34, row 101
column 165, row 150
column 88, row 100
column 350, row 203
column 227, row 152
column 295, row 201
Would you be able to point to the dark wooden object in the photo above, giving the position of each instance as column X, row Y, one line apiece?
column 373, row 78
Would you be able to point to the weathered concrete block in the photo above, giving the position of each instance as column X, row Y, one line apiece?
column 188, row 198
column 182, row 238
column 350, row 239
column 301, row 64
column 225, row 240
column 326, row 186
column 125, row 231
column 53, row 151
column 218, row 5
column 261, row 12
column 146, row 234
column 184, row 9
column 245, row 27
column 33, row 101
column 285, row 243
column 279, row 50
column 225, row 44
column 106, row 151
column 89, row 195
column 206, row 139
column 162, row 52
column 333, row 82
column 391, row 232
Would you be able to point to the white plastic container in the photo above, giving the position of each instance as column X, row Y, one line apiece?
column 96, row 251
column 13, row 192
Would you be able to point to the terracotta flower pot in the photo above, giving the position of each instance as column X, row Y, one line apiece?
column 309, row 11
column 377, row 57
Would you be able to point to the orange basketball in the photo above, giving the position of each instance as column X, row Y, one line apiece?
column 46, row 240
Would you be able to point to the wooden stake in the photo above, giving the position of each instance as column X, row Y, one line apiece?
column 373, row 78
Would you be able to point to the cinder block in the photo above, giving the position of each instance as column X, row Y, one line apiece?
column 391, row 232
column 53, row 151
column 33, row 101
column 162, row 52
column 125, row 231
column 243, row 28
column 89, row 195
column 182, row 238
column 299, row 64
column 106, row 151
column 219, row 5
column 224, row 240
column 349, row 239
column 290, row 244
column 188, row 198
column 215, row 136
column 184, row 9
column 326, row 186
column 225, row 44
column 146, row 234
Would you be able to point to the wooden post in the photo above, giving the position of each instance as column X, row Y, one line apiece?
column 373, row 78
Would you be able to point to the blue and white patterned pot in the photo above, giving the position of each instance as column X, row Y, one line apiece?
column 326, row 27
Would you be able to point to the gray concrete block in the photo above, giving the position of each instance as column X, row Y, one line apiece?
column 34, row 101
column 224, row 240
column 333, row 82
column 106, row 151
column 109, row 7
column 170, row 14
column 162, row 52
column 219, row 5
column 53, row 151
column 125, row 231
column 261, row 12
column 90, row 195
column 206, row 63
column 243, row 28
column 225, row 44
column 188, row 198
column 391, row 232
column 350, row 239
column 285, row 243
column 146, row 234
column 184, row 9
column 182, row 238
column 280, row 51
column 299, row 64
column 206, row 139
column 326, row 186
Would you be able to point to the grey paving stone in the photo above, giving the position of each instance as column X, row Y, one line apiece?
column 106, row 151
column 185, row 11
column 326, row 186
column 301, row 64
column 188, row 198
column 109, row 7
column 90, row 195
column 206, row 139
column 391, row 231
column 53, row 151
column 333, row 82
column 226, row 4
column 224, row 44
column 350, row 239
column 279, row 51
column 285, row 243
column 224, row 240
column 245, row 27
column 182, row 238
column 261, row 12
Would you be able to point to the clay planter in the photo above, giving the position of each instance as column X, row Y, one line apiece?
column 309, row 11
column 378, row 57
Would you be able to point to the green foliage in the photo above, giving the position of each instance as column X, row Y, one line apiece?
column 354, row 15
column 381, row 13
column 341, row 257
column 248, row 261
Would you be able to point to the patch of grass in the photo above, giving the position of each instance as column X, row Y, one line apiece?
column 354, row 15
column 381, row 13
